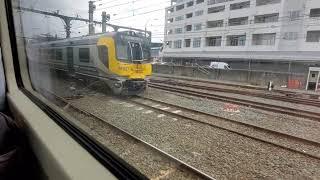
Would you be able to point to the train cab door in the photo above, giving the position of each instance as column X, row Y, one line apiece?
column 70, row 59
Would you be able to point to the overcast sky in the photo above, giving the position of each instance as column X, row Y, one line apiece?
column 131, row 13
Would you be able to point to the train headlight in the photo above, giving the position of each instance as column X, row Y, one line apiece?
column 118, row 84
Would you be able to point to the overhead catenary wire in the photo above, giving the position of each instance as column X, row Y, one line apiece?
column 281, row 19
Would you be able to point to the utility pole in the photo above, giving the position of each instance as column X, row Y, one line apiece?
column 67, row 19
column 104, row 21
column 92, row 8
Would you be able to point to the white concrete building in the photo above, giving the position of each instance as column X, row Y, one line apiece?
column 243, row 29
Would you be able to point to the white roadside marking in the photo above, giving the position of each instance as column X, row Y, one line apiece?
column 161, row 115
column 148, row 112
column 113, row 101
column 139, row 109
column 177, row 111
column 129, row 105
column 165, row 108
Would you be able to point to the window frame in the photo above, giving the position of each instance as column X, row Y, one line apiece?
column 85, row 59
column 109, row 160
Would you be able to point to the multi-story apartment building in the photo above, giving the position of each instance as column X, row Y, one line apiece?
column 243, row 29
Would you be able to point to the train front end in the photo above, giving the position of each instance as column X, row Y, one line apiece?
column 131, row 63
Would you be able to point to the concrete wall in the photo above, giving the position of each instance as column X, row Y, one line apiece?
column 244, row 76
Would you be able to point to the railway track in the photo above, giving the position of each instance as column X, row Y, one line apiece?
column 282, row 140
column 65, row 103
column 284, row 92
column 296, row 100
column 315, row 116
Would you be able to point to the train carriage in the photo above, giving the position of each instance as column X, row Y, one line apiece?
column 121, row 59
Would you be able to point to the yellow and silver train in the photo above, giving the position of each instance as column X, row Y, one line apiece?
column 121, row 59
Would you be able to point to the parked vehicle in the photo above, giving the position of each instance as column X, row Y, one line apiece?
column 219, row 65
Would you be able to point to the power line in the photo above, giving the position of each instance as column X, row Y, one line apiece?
column 143, row 7
column 138, row 14
column 121, row 4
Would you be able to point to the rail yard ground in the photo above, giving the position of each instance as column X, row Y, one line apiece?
column 238, row 143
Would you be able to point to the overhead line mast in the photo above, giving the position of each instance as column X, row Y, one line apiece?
column 67, row 20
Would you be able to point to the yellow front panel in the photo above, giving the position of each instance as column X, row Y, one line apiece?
column 131, row 71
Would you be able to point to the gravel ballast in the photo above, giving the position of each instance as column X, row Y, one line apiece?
column 295, row 126
column 219, row 153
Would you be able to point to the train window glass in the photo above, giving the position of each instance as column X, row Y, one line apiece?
column 103, row 55
column 146, row 53
column 52, row 54
column 84, row 54
column 123, row 51
column 58, row 54
column 218, row 106
column 136, row 51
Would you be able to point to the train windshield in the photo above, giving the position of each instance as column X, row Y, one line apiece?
column 130, row 51
column 136, row 51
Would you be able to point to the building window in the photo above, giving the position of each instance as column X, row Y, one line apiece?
column 213, row 41
column 177, row 44
column 179, row 18
column 188, row 27
column 313, row 36
column 189, row 15
column 84, row 54
column 170, row 20
column 178, row 31
column 267, row 39
column 241, row 5
column 214, row 24
column 190, row 3
column 197, row 27
column 290, row 36
column 170, row 10
column 236, row 40
column 196, row 42
column 210, row 2
column 294, row 15
column 187, row 43
column 169, row 44
column 315, row 12
column 265, row 2
column 58, row 54
column 180, row 7
column 198, row 13
column 216, row 9
column 238, row 21
column 200, row 1
column 266, row 18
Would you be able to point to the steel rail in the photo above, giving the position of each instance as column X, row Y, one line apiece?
column 308, row 102
column 282, row 91
column 315, row 144
column 249, row 103
column 176, row 160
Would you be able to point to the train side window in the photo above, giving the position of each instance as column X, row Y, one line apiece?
column 52, row 54
column 84, row 54
column 103, row 55
column 58, row 54
column 45, row 53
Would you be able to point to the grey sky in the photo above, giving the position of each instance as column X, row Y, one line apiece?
column 131, row 13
